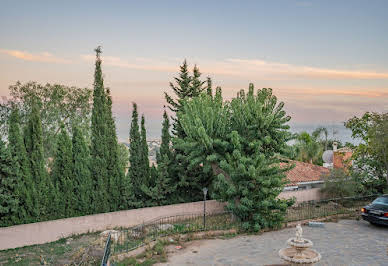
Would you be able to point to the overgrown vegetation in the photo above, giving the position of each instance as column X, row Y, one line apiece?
column 339, row 183
column 370, row 157
column 86, row 249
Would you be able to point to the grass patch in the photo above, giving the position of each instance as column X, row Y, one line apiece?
column 63, row 251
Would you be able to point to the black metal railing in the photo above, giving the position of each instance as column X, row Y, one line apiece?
column 134, row 237
column 329, row 207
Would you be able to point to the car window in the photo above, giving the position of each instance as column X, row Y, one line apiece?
column 381, row 200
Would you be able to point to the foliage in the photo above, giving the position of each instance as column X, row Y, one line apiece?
column 62, row 176
column 81, row 172
column 114, row 168
column 161, row 188
column 59, row 104
column 143, row 154
column 8, row 183
column 239, row 143
column 99, row 147
column 187, row 86
column 134, row 171
column 33, row 140
column 189, row 183
column 339, row 183
column 308, row 148
column 25, row 189
column 318, row 133
column 370, row 157
column 123, row 155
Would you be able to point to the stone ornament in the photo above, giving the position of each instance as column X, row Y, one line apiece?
column 299, row 252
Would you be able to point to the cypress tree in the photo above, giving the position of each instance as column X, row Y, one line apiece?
column 114, row 169
column 62, row 176
column 34, row 146
column 25, row 188
column 8, row 201
column 143, row 152
column 165, row 148
column 98, row 141
column 161, row 188
column 81, row 172
column 134, row 171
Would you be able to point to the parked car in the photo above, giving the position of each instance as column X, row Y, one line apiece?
column 377, row 211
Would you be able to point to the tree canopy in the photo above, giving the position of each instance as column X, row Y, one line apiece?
column 370, row 157
column 239, row 142
column 58, row 104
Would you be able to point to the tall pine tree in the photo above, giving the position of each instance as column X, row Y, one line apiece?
column 114, row 169
column 161, row 188
column 165, row 146
column 99, row 147
column 34, row 147
column 25, row 188
column 187, row 86
column 189, row 183
column 8, row 200
column 135, row 171
column 143, row 153
column 81, row 173
column 62, row 176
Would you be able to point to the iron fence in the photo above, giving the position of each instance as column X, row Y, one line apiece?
column 324, row 208
column 134, row 237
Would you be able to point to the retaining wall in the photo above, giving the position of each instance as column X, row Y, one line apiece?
column 302, row 195
column 44, row 232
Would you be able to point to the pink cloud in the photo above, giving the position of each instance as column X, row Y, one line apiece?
column 35, row 57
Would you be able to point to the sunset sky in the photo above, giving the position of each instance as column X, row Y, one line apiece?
column 327, row 60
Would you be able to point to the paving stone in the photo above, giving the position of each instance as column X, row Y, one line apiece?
column 348, row 242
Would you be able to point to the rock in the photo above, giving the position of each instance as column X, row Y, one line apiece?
column 106, row 232
column 68, row 241
column 316, row 224
column 114, row 234
column 165, row 227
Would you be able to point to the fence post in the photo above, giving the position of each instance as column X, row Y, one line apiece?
column 204, row 207
column 105, row 258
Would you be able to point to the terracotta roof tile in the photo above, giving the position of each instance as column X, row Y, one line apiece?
column 304, row 172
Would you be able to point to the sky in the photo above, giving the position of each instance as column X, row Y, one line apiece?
column 326, row 60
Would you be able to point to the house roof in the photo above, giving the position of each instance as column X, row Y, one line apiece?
column 344, row 149
column 304, row 172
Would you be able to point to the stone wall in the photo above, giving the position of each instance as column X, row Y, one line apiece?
column 43, row 232
column 302, row 195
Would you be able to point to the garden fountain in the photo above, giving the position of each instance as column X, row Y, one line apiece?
column 299, row 252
